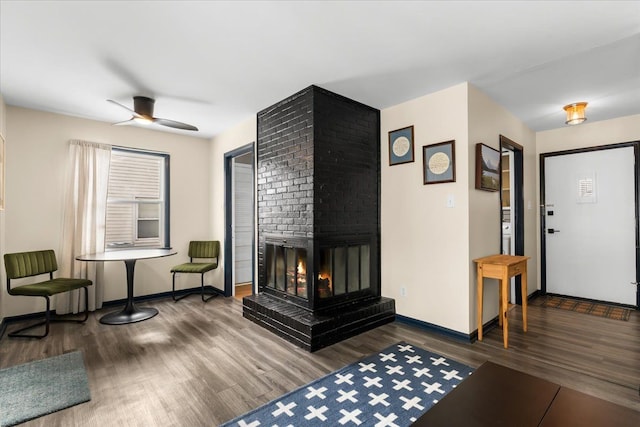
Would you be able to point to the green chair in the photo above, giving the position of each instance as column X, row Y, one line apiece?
column 27, row 264
column 209, row 249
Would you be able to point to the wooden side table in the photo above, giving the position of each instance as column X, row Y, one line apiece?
column 502, row 267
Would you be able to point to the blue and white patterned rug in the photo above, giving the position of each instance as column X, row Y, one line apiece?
column 390, row 389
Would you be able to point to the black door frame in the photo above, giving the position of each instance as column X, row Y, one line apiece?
column 543, row 226
column 228, row 216
column 518, row 209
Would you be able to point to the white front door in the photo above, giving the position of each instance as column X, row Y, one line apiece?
column 590, row 225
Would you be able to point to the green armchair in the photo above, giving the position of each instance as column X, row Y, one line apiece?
column 34, row 263
column 209, row 250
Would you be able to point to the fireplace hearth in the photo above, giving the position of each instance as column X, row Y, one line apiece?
column 318, row 220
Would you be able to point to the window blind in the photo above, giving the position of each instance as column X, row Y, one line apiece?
column 134, row 200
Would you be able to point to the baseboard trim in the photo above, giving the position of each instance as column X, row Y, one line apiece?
column 534, row 294
column 28, row 316
column 142, row 298
column 162, row 295
column 434, row 328
column 472, row 337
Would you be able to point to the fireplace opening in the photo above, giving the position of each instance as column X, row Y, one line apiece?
column 286, row 269
column 341, row 271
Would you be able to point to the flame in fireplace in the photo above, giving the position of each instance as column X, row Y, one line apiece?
column 324, row 285
column 301, row 268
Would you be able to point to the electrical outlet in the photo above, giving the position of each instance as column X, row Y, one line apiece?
column 403, row 291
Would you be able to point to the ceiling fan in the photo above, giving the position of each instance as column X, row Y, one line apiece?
column 143, row 113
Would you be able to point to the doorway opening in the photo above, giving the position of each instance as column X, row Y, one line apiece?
column 239, row 271
column 512, row 207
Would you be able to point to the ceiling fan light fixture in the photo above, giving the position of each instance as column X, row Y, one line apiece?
column 143, row 114
column 575, row 113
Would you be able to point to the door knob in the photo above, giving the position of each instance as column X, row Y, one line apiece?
column 552, row 231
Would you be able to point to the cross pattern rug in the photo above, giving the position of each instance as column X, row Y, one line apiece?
column 392, row 388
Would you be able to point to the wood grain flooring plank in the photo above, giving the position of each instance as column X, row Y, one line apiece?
column 198, row 364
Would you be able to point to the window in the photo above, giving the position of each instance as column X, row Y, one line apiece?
column 138, row 199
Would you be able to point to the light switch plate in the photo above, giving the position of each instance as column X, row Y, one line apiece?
column 451, row 201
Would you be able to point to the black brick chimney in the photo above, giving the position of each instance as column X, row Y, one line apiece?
column 318, row 220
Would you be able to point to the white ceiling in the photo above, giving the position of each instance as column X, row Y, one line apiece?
column 215, row 64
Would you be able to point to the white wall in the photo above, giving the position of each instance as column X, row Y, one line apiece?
column 424, row 244
column 240, row 135
column 37, row 150
column 487, row 121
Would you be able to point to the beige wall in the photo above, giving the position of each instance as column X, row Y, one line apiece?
column 3, row 132
column 427, row 248
column 589, row 134
column 3, row 116
column 37, row 153
column 487, row 121
column 238, row 136
column 425, row 245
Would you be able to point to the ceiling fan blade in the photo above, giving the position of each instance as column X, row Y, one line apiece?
column 126, row 122
column 125, row 107
column 174, row 124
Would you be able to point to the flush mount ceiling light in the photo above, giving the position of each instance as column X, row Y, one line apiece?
column 575, row 113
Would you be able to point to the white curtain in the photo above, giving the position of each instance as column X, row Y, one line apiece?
column 85, row 214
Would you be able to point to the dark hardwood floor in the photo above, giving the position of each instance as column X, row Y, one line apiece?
column 199, row 364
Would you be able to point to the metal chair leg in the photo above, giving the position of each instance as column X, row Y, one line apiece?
column 173, row 288
column 173, row 291
column 17, row 334
column 202, row 287
column 86, row 305
column 202, row 290
column 48, row 320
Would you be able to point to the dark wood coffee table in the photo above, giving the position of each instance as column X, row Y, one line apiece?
column 495, row 395
column 571, row 408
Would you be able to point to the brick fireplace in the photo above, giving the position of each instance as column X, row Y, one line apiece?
column 318, row 220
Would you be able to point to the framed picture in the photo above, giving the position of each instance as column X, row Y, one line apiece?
column 487, row 168
column 401, row 146
column 439, row 162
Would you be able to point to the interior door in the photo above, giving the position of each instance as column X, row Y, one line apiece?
column 590, row 223
column 512, row 207
column 507, row 186
column 242, row 222
column 243, row 155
